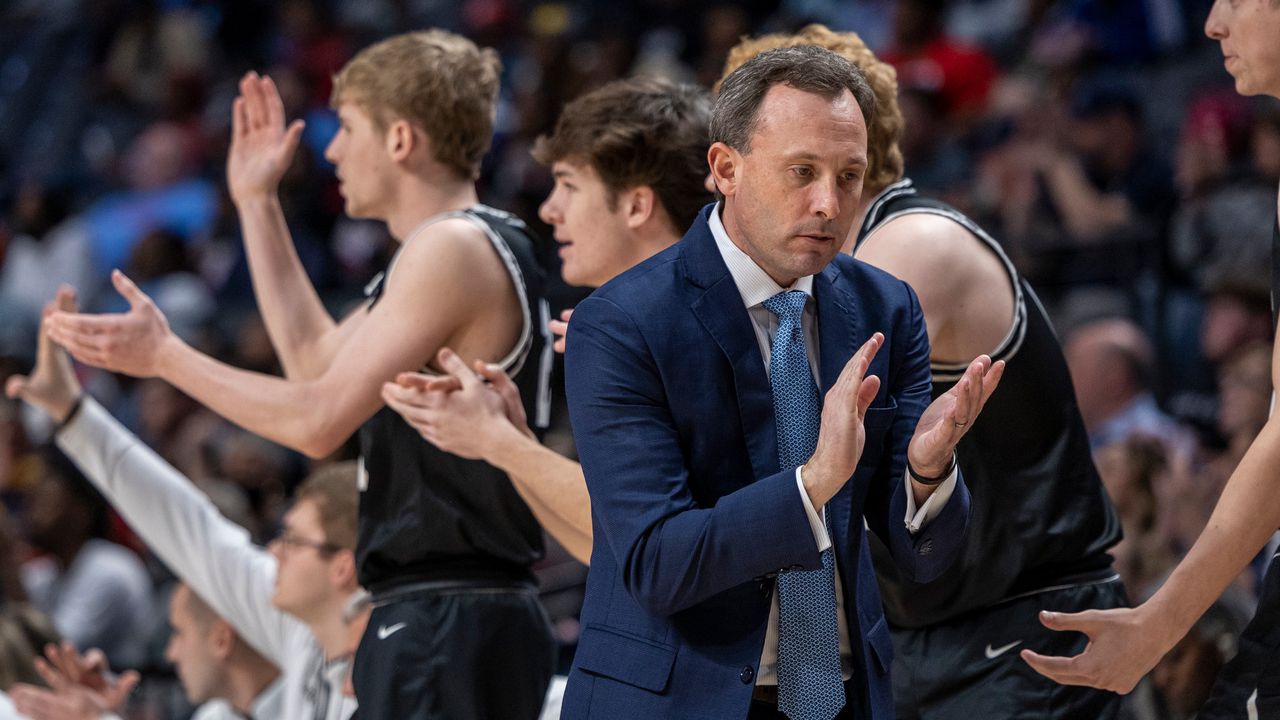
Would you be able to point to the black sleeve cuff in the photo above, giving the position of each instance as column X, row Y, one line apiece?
column 71, row 414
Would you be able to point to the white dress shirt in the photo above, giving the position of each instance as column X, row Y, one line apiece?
column 755, row 286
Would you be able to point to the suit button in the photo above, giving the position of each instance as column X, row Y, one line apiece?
column 926, row 547
column 747, row 675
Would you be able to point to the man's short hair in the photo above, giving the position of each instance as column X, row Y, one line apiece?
column 332, row 489
column 441, row 82
column 804, row 67
column 884, row 132
column 201, row 613
column 639, row 132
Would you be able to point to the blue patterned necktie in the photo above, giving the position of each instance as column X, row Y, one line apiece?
column 810, row 686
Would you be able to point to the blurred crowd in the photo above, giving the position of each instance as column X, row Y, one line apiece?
column 1099, row 140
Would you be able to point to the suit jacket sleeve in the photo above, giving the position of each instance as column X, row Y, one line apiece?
column 670, row 552
column 924, row 556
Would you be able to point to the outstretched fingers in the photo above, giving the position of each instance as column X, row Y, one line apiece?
column 38, row 703
column 1062, row 670
column 239, row 120
column 65, row 299
column 501, row 383
column 458, row 369
column 866, row 394
column 81, row 336
column 854, row 372
column 116, row 695
column 428, row 383
column 498, row 379
column 274, row 104
column 292, row 136
column 14, row 386
column 51, row 676
column 74, row 666
column 128, row 290
column 408, row 407
column 967, row 393
column 991, row 381
column 255, row 103
column 560, row 329
column 403, row 396
column 1076, row 670
column 972, row 392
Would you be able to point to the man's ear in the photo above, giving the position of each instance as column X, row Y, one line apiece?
column 222, row 638
column 342, row 571
column 638, row 205
column 725, row 164
column 402, row 140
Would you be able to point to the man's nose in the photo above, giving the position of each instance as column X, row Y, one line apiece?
column 1213, row 25
column 824, row 199
column 549, row 210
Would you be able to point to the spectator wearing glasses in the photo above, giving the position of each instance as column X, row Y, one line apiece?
column 287, row 603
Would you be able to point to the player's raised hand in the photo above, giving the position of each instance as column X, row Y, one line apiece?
column 52, row 384
column 130, row 343
column 80, row 686
column 261, row 146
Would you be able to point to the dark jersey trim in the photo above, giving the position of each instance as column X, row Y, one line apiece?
column 877, row 218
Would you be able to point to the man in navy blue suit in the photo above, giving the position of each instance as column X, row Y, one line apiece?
column 746, row 404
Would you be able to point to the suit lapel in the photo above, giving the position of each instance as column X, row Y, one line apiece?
column 721, row 312
column 840, row 333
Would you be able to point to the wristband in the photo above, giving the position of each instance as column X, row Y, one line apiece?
column 74, row 411
column 923, row 480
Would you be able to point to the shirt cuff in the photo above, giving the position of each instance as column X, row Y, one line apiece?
column 816, row 520
column 918, row 518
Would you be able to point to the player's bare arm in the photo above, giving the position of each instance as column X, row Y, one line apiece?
column 304, row 335
column 967, row 300
column 451, row 270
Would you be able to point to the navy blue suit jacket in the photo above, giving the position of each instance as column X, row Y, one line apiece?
column 673, row 417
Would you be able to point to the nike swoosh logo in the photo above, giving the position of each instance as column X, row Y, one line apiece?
column 993, row 653
column 385, row 632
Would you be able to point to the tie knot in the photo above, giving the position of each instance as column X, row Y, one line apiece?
column 788, row 305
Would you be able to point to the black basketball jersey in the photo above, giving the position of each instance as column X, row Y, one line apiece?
column 1040, row 517
column 426, row 514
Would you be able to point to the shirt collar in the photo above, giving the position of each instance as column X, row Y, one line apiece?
column 754, row 284
column 270, row 702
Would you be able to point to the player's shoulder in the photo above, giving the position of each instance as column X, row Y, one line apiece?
column 455, row 232
column 933, row 236
column 938, row 249
column 453, row 245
